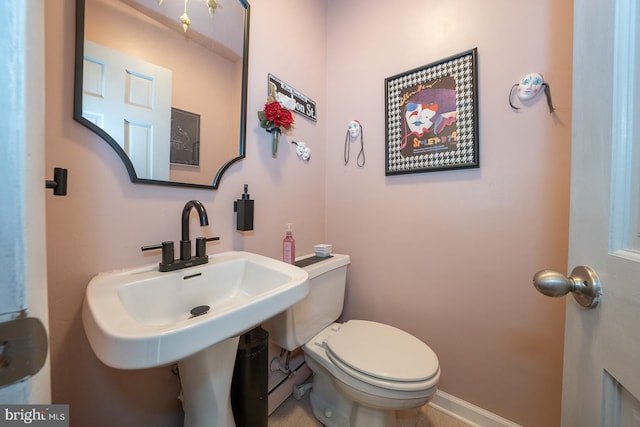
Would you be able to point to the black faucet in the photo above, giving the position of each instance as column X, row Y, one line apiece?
column 185, row 243
column 185, row 260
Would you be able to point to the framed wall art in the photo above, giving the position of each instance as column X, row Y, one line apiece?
column 185, row 138
column 432, row 117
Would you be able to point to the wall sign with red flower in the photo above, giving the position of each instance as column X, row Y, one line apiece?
column 274, row 119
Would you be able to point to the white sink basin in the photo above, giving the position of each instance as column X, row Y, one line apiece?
column 140, row 318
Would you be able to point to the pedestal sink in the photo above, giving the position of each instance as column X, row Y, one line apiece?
column 141, row 318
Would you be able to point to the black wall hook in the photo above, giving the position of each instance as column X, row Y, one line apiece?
column 59, row 183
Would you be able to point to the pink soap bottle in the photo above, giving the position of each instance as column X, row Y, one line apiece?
column 289, row 247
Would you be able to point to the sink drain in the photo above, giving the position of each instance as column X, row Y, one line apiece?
column 199, row 310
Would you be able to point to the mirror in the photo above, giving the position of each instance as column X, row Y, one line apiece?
column 170, row 102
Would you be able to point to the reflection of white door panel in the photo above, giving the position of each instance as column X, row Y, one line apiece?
column 131, row 100
column 601, row 385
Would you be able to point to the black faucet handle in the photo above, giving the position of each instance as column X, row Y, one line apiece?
column 167, row 251
column 201, row 245
column 151, row 247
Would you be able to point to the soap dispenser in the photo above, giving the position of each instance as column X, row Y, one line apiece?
column 244, row 211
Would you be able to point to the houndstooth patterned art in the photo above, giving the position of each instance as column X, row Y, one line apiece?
column 432, row 117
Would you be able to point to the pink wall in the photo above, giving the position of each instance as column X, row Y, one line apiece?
column 459, row 248
column 104, row 220
column 449, row 256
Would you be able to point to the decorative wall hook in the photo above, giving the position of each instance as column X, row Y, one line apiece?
column 59, row 182
column 302, row 150
column 529, row 86
column 354, row 130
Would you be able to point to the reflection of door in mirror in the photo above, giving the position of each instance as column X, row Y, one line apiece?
column 206, row 80
column 131, row 100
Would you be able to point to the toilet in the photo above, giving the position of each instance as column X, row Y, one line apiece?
column 365, row 374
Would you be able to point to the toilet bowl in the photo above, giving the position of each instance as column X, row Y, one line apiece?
column 365, row 374
column 371, row 371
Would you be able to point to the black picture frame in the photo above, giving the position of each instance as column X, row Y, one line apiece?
column 185, row 138
column 432, row 117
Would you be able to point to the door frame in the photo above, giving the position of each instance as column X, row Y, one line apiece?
column 23, row 275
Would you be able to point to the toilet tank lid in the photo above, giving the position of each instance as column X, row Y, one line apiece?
column 325, row 265
column 383, row 351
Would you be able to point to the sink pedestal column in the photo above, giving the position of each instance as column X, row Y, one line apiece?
column 206, row 385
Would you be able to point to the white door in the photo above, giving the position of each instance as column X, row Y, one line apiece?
column 601, row 384
column 23, row 279
column 131, row 100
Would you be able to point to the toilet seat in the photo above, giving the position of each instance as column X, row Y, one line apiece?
column 383, row 356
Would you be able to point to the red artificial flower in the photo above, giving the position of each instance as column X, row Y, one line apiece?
column 275, row 115
column 272, row 110
column 284, row 119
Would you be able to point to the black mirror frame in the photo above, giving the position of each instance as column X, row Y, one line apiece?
column 77, row 106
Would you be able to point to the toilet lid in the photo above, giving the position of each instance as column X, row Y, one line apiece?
column 382, row 351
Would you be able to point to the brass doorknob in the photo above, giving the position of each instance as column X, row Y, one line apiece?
column 583, row 283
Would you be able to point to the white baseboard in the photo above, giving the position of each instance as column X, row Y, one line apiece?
column 467, row 412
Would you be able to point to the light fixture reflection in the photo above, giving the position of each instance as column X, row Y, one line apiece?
column 184, row 18
column 212, row 4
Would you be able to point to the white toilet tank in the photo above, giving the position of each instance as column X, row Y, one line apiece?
column 320, row 308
